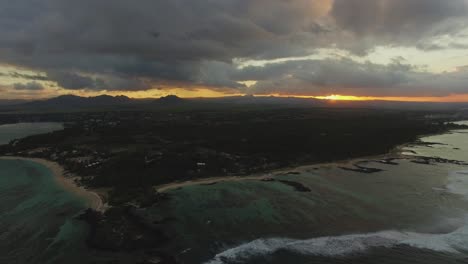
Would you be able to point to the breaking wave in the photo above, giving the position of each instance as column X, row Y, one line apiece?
column 335, row 246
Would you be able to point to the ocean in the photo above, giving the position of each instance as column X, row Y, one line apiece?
column 37, row 223
column 407, row 213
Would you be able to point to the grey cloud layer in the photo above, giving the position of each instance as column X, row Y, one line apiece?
column 316, row 77
column 31, row 86
column 133, row 45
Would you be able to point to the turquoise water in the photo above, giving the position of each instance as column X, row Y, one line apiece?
column 37, row 222
column 36, row 217
column 408, row 213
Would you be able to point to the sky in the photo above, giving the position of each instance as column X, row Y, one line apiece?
column 411, row 50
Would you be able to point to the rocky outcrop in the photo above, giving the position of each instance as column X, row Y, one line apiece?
column 299, row 187
column 361, row 169
column 121, row 231
column 433, row 160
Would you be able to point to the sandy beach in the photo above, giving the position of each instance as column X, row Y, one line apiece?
column 66, row 182
column 176, row 185
column 255, row 177
column 396, row 153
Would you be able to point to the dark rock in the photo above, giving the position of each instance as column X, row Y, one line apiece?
column 361, row 169
column 119, row 229
column 428, row 144
column 296, row 185
column 388, row 161
column 269, row 179
column 210, row 183
column 425, row 162
column 432, row 160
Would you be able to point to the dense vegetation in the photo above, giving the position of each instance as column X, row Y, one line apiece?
column 134, row 150
column 129, row 152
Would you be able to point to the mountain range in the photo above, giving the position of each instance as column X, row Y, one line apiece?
column 67, row 103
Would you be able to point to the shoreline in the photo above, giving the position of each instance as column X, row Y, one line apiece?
column 93, row 199
column 269, row 174
column 396, row 153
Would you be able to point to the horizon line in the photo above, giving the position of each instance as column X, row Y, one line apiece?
column 461, row 98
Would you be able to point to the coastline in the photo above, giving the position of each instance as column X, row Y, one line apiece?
column 93, row 199
column 395, row 153
column 269, row 174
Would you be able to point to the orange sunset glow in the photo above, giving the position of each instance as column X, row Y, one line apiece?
column 208, row 93
column 298, row 48
column 234, row 131
column 338, row 97
column 450, row 98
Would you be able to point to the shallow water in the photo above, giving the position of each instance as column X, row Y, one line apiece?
column 36, row 216
column 37, row 222
column 452, row 145
column 408, row 213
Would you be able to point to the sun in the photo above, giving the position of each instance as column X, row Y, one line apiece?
column 337, row 97
column 332, row 97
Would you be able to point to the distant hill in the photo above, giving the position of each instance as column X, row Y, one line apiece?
column 71, row 103
column 268, row 100
column 379, row 104
column 170, row 100
column 4, row 102
column 173, row 100
column 72, row 100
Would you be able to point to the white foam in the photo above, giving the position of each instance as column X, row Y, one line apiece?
column 347, row 245
column 458, row 183
column 454, row 242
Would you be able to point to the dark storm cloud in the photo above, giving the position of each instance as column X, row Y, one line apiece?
column 399, row 22
column 132, row 45
column 186, row 30
column 316, row 77
column 34, row 77
column 165, row 41
column 31, row 86
column 74, row 81
column 395, row 17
